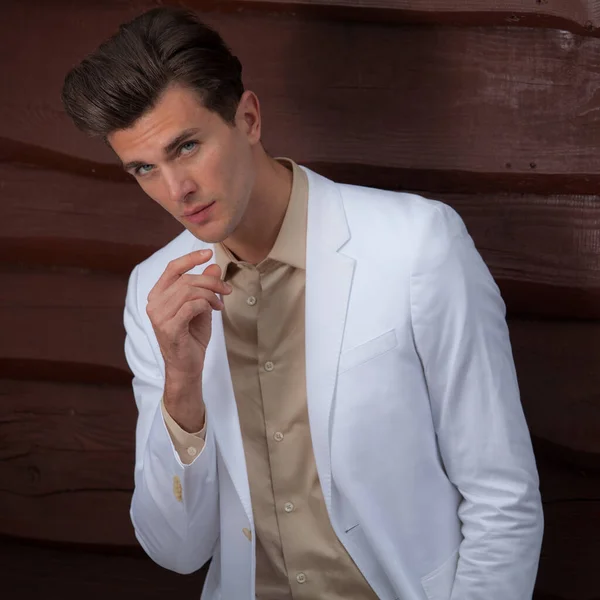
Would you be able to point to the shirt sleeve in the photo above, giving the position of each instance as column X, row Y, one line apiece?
column 187, row 445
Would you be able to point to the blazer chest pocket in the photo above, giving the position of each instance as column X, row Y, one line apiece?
column 368, row 351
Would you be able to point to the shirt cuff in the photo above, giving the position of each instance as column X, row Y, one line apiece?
column 187, row 445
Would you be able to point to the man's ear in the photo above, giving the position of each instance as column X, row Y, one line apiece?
column 248, row 117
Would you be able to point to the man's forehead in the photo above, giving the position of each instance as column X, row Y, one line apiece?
column 178, row 111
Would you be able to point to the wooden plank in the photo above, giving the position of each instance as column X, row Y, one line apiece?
column 570, row 552
column 70, row 574
column 69, row 446
column 570, row 546
column 66, row 461
column 70, row 517
column 557, row 366
column 582, row 16
column 78, row 221
column 69, row 318
column 543, row 251
column 32, row 571
column 383, row 122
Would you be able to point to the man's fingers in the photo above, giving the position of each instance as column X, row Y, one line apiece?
column 187, row 312
column 203, row 281
column 213, row 270
column 208, row 282
column 179, row 266
column 173, row 304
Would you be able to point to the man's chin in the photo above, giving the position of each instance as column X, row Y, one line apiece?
column 210, row 233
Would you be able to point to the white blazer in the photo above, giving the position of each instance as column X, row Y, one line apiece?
column 419, row 437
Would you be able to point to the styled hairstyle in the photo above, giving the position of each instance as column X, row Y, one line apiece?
column 126, row 76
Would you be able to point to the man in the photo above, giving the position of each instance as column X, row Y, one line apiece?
column 328, row 406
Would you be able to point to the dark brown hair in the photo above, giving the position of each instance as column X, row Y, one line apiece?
column 125, row 77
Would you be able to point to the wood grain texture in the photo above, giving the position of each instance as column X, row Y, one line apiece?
column 582, row 16
column 51, row 217
column 570, row 545
column 66, row 461
column 532, row 91
column 64, row 318
column 70, row 574
column 568, row 564
column 557, row 366
column 70, row 446
column 544, row 251
column 58, row 573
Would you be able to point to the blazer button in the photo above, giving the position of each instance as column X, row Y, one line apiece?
column 247, row 533
column 177, row 489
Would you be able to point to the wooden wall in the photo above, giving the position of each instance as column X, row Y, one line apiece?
column 493, row 110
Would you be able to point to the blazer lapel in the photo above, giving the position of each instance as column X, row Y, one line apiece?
column 217, row 391
column 328, row 283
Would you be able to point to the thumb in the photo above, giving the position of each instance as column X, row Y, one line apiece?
column 213, row 270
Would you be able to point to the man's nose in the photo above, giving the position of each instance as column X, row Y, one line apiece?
column 179, row 184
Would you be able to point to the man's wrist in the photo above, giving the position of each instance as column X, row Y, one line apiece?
column 183, row 401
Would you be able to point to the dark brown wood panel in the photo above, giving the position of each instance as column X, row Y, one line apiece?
column 78, row 221
column 569, row 547
column 63, row 441
column 557, row 365
column 518, row 111
column 569, row 560
column 57, row 573
column 66, row 461
column 63, row 317
column 544, row 251
column 582, row 16
column 70, row 574
column 85, row 517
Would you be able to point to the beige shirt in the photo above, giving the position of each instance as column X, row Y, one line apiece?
column 298, row 555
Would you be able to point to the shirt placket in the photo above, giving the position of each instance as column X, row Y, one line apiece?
column 283, row 442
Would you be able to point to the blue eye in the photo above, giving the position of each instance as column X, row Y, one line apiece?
column 187, row 147
column 142, row 170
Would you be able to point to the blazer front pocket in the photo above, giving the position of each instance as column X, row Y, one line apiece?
column 439, row 583
column 367, row 351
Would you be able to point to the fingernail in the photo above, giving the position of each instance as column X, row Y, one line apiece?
column 228, row 287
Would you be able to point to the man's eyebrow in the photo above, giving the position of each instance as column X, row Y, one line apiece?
column 134, row 164
column 172, row 145
column 168, row 149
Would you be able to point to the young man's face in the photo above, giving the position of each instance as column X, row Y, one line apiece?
column 188, row 159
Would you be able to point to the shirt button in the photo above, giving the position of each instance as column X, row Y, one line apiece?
column 269, row 366
column 301, row 578
column 278, row 436
column 192, row 451
column 251, row 301
column 288, row 507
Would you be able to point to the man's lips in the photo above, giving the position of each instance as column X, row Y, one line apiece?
column 199, row 215
column 189, row 213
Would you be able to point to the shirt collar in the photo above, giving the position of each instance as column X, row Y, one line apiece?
column 290, row 245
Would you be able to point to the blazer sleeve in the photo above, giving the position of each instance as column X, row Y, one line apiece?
column 463, row 342
column 174, row 509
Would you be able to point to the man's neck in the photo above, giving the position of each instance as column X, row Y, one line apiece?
column 256, row 235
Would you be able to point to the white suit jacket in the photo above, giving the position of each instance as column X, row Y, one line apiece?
column 420, row 442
